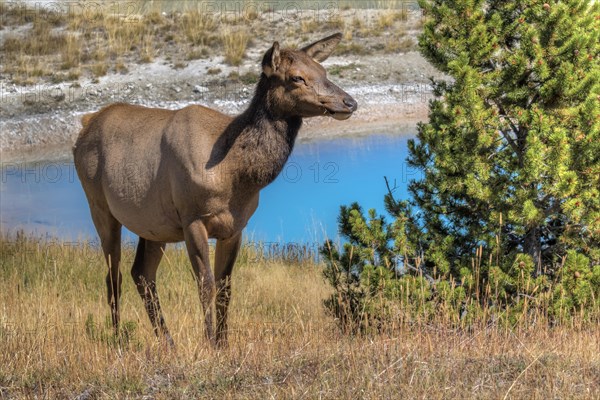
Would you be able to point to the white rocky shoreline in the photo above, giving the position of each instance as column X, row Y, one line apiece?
column 42, row 121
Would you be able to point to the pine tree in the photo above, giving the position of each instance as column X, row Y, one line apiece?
column 508, row 206
column 511, row 152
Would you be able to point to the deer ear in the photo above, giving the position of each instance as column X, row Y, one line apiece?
column 323, row 48
column 271, row 60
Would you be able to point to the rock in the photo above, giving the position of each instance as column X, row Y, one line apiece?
column 58, row 96
column 85, row 395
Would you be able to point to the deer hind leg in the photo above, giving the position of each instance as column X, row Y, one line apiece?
column 225, row 256
column 109, row 231
column 196, row 241
column 145, row 265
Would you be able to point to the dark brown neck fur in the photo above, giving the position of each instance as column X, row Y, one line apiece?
column 260, row 140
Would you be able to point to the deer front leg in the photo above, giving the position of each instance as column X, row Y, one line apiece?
column 225, row 256
column 196, row 241
column 145, row 265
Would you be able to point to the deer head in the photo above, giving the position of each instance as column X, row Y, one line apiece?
column 298, row 84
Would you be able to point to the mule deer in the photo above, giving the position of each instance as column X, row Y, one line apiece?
column 194, row 174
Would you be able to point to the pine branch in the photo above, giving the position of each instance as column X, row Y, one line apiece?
column 514, row 128
column 420, row 271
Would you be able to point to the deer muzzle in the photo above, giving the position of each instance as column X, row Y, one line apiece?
column 339, row 105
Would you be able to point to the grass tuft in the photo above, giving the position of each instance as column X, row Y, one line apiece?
column 199, row 28
column 399, row 45
column 385, row 20
column 235, row 43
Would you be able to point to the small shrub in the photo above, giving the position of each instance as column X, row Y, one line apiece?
column 578, row 288
column 379, row 280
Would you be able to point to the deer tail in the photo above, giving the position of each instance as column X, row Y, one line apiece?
column 85, row 120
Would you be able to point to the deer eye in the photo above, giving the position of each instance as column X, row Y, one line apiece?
column 297, row 79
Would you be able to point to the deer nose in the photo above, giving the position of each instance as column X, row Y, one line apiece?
column 350, row 103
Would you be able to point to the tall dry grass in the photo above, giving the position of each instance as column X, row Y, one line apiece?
column 55, row 340
column 235, row 42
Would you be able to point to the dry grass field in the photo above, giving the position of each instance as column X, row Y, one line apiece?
column 55, row 340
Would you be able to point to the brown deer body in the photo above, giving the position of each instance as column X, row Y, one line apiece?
column 194, row 174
